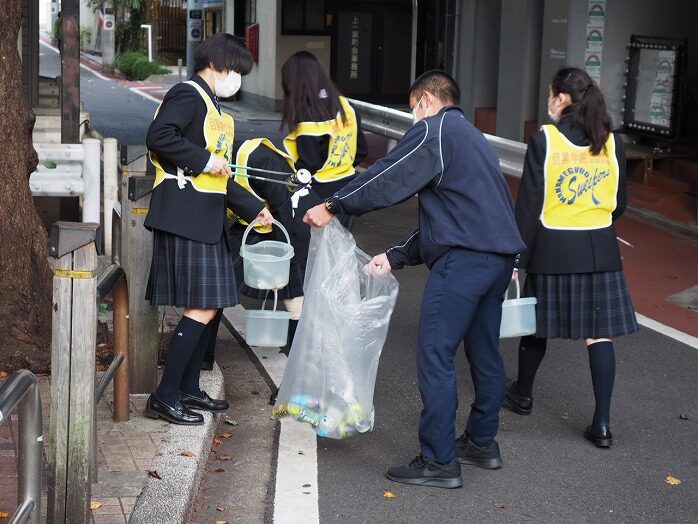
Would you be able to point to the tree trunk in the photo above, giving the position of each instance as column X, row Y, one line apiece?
column 25, row 279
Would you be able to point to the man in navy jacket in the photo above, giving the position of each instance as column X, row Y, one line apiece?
column 468, row 238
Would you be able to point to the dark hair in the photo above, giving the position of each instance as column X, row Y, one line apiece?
column 225, row 52
column 309, row 93
column 588, row 107
column 438, row 82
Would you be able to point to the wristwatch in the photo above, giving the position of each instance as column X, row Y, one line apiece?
column 332, row 206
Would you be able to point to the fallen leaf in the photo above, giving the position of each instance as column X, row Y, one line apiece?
column 217, row 442
column 95, row 504
column 500, row 505
column 226, row 434
column 221, row 509
column 232, row 422
column 3, row 374
column 221, row 522
column 4, row 514
column 153, row 473
column 187, row 453
column 388, row 495
column 671, row 480
column 225, row 457
column 219, row 470
column 683, row 416
column 254, row 392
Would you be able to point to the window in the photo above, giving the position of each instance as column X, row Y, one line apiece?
column 306, row 17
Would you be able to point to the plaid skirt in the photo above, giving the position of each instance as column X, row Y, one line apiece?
column 581, row 305
column 190, row 274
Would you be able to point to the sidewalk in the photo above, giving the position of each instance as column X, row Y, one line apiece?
column 127, row 453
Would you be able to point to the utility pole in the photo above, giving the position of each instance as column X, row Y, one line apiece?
column 70, row 72
column 195, row 31
column 108, row 35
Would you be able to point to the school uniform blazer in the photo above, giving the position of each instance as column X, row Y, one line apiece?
column 176, row 135
column 555, row 251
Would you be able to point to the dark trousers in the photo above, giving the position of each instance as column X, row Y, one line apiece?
column 462, row 302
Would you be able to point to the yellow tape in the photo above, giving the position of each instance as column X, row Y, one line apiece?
column 73, row 273
column 140, row 211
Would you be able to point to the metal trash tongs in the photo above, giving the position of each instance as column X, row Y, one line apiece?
column 301, row 177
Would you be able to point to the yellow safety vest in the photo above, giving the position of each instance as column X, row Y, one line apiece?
column 241, row 159
column 219, row 131
column 580, row 188
column 341, row 151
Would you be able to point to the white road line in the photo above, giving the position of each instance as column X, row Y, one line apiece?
column 668, row 331
column 296, row 498
column 96, row 73
column 145, row 95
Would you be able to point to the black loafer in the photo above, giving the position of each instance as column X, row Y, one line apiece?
column 424, row 472
column 517, row 403
column 487, row 457
column 204, row 402
column 600, row 435
column 177, row 414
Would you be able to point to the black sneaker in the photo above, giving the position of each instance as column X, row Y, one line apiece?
column 424, row 472
column 517, row 403
column 468, row 452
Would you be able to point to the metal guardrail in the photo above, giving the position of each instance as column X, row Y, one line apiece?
column 21, row 390
column 392, row 123
column 113, row 280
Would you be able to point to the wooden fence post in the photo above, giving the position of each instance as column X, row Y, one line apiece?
column 136, row 254
column 72, row 371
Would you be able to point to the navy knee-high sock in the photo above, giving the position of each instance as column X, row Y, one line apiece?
column 190, row 377
column 184, row 342
column 212, row 335
column 531, row 353
column 602, row 362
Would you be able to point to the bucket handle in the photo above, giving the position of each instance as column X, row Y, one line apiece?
column 266, row 295
column 515, row 278
column 254, row 223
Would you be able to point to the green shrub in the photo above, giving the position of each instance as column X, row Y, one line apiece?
column 126, row 61
column 142, row 69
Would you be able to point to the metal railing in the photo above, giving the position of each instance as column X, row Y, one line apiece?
column 113, row 280
column 392, row 123
column 21, row 390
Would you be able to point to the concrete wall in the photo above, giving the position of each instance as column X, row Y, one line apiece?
column 519, row 65
column 477, row 67
column 263, row 84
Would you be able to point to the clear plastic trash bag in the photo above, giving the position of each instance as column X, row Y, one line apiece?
column 331, row 371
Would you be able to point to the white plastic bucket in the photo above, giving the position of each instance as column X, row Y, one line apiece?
column 266, row 328
column 518, row 314
column 266, row 264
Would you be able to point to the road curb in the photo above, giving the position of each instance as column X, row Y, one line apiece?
column 169, row 499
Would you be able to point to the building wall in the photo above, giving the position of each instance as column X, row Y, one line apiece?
column 663, row 18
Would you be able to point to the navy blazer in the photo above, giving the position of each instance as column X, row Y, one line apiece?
column 176, row 135
column 554, row 251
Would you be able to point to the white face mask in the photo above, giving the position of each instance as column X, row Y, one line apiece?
column 414, row 110
column 229, row 85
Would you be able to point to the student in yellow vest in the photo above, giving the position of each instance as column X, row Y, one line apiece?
column 325, row 134
column 572, row 190
column 190, row 142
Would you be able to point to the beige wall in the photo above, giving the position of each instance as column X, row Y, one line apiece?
column 264, row 80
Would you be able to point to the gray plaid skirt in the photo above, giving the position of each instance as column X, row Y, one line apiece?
column 190, row 274
column 581, row 305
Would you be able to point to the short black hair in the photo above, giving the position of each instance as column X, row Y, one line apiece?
column 225, row 52
column 438, row 82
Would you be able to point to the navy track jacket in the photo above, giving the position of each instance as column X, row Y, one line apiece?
column 464, row 201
